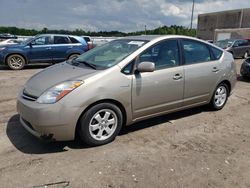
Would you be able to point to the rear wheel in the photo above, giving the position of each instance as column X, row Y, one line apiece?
column 73, row 56
column 16, row 62
column 220, row 97
column 100, row 124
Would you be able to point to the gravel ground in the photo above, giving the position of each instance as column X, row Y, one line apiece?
column 194, row 148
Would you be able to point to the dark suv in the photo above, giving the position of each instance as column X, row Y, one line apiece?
column 46, row 48
column 237, row 47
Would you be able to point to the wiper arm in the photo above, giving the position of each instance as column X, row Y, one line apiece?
column 85, row 63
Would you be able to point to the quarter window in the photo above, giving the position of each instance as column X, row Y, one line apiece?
column 216, row 52
column 164, row 54
column 73, row 40
column 195, row 52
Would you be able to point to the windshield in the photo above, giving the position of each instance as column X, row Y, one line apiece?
column 111, row 53
column 224, row 43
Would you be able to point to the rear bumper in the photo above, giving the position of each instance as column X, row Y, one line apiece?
column 48, row 121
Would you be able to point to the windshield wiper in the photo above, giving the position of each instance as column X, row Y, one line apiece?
column 85, row 63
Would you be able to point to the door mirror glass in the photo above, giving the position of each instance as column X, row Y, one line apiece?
column 146, row 66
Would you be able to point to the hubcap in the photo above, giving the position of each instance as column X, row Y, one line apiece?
column 220, row 96
column 103, row 124
column 16, row 62
column 246, row 55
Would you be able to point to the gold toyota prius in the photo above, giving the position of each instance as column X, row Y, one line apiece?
column 122, row 82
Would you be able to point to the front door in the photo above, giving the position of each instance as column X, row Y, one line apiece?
column 161, row 90
column 39, row 50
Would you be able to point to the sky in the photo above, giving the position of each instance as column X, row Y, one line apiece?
column 108, row 15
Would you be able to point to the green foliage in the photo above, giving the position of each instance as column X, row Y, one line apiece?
column 164, row 30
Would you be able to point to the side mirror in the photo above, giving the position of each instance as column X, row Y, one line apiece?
column 146, row 66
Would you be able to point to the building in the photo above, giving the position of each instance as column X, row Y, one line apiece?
column 222, row 25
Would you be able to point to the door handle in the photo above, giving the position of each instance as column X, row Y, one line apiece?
column 215, row 69
column 177, row 76
column 49, row 48
column 70, row 46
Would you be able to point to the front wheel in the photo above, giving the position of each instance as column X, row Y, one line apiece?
column 15, row 62
column 220, row 97
column 100, row 124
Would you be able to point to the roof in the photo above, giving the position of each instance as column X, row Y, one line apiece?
column 143, row 37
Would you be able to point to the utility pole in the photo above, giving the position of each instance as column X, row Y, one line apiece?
column 192, row 15
column 145, row 29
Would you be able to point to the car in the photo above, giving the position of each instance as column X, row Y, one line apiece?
column 245, row 68
column 7, row 36
column 123, row 82
column 10, row 42
column 237, row 47
column 45, row 48
column 89, row 42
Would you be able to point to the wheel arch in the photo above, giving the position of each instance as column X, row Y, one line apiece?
column 25, row 58
column 228, row 85
column 112, row 101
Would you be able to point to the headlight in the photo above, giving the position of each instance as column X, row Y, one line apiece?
column 2, row 48
column 57, row 92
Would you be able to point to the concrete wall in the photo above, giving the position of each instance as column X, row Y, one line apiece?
column 234, row 33
column 207, row 23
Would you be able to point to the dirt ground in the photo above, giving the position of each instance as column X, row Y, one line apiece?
column 195, row 148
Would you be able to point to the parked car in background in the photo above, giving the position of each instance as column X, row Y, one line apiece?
column 47, row 48
column 237, row 47
column 89, row 42
column 7, row 36
column 10, row 41
column 122, row 82
column 245, row 68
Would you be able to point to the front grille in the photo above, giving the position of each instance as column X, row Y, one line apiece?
column 29, row 97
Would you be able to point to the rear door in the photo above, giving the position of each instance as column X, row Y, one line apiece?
column 39, row 50
column 161, row 90
column 202, row 71
column 61, row 44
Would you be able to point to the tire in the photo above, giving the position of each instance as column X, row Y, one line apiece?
column 72, row 56
column 220, row 97
column 16, row 62
column 100, row 124
column 246, row 54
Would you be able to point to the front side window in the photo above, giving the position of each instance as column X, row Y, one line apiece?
column 41, row 41
column 111, row 53
column 164, row 54
column 61, row 40
column 195, row 52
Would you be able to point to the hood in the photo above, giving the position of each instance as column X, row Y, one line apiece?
column 12, row 45
column 54, row 75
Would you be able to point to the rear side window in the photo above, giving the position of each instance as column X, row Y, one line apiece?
column 61, row 40
column 216, row 53
column 195, row 52
column 73, row 40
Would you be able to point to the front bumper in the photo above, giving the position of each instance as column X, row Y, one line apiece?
column 48, row 121
column 245, row 69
